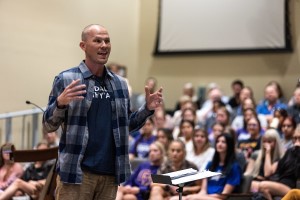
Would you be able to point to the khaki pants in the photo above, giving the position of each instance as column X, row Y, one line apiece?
column 93, row 187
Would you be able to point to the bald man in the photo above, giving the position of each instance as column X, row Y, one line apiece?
column 92, row 105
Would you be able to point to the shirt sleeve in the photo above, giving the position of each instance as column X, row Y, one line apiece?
column 234, row 177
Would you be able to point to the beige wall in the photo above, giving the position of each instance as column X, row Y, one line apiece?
column 38, row 39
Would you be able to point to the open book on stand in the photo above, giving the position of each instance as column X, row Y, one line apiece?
column 182, row 176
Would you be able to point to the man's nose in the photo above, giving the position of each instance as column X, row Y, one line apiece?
column 103, row 44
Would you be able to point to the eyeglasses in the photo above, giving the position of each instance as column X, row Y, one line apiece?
column 286, row 126
column 295, row 138
column 252, row 125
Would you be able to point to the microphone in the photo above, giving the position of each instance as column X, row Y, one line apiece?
column 29, row 102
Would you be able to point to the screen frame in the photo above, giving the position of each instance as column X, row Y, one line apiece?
column 286, row 48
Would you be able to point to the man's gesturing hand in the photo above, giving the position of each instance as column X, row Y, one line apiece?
column 72, row 92
column 153, row 100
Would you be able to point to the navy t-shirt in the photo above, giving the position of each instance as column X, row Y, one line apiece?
column 100, row 156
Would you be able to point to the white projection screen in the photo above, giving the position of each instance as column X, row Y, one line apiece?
column 187, row 26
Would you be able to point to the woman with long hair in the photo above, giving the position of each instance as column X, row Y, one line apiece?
column 202, row 152
column 287, row 129
column 165, row 137
column 287, row 172
column 187, row 129
column 252, row 142
column 138, row 186
column 176, row 161
column 224, row 161
column 267, row 157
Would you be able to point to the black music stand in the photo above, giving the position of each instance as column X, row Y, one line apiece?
column 180, row 178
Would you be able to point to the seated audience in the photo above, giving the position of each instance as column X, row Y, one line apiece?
column 271, row 101
column 294, row 109
column 287, row 129
column 218, row 109
column 176, row 161
column 32, row 181
column 286, row 172
column 141, row 144
column 248, row 146
column 138, row 186
column 248, row 110
column 239, row 155
column 279, row 89
column 224, row 161
column 52, row 138
column 236, row 87
column 246, row 93
column 214, row 93
column 165, row 137
column 188, row 90
column 202, row 152
column 185, row 103
column 161, row 120
column 279, row 115
column 190, row 114
column 244, row 134
column 9, row 170
column 262, row 167
column 216, row 129
column 187, row 129
column 187, row 114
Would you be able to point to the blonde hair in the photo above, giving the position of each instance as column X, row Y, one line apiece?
column 162, row 150
column 276, row 154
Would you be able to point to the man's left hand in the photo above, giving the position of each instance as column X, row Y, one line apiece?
column 153, row 100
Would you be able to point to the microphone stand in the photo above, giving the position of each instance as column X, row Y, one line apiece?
column 35, row 122
column 29, row 102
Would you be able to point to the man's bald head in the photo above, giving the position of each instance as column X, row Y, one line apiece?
column 87, row 29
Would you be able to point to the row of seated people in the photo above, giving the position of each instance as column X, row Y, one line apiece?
column 203, row 102
column 268, row 163
column 273, row 99
column 27, row 179
column 247, row 141
column 270, row 110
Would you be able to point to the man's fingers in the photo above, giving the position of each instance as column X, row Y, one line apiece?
column 75, row 89
column 160, row 90
column 76, row 93
column 80, row 87
column 147, row 91
column 73, row 83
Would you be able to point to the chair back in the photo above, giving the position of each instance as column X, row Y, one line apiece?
column 34, row 155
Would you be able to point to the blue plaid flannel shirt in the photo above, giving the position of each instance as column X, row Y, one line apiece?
column 73, row 119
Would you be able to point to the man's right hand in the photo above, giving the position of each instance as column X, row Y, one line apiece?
column 72, row 92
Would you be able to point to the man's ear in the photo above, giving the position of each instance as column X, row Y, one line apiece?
column 82, row 45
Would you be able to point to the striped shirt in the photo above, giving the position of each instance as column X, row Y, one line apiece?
column 73, row 119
